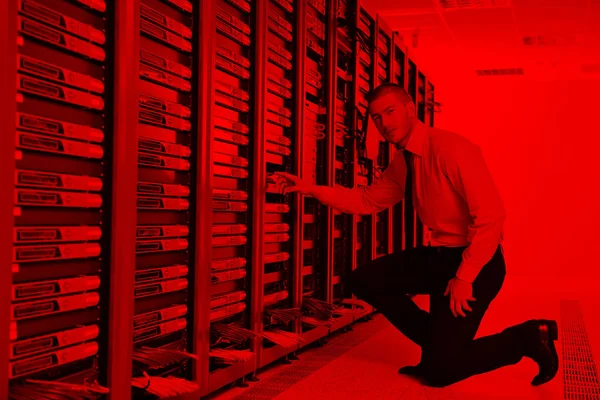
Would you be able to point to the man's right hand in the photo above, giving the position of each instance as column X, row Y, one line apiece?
column 288, row 183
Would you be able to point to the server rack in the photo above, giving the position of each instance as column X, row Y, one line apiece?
column 314, row 139
column 164, row 247
column 283, row 120
column 62, row 191
column 382, row 237
column 343, row 258
column 365, row 71
column 343, row 255
column 234, row 180
column 188, row 221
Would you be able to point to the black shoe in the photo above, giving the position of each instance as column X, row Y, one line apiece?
column 413, row 370
column 542, row 350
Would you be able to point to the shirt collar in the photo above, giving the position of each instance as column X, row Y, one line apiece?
column 416, row 141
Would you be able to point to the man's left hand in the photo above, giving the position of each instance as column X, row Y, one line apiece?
column 460, row 292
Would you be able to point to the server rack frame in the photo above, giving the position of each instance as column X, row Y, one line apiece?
column 124, row 207
column 8, row 49
column 205, row 92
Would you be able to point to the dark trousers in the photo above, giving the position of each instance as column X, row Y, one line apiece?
column 449, row 353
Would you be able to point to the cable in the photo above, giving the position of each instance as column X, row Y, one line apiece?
column 163, row 387
column 316, row 322
column 322, row 310
column 283, row 338
column 49, row 390
column 233, row 334
column 283, row 316
column 147, row 358
column 230, row 356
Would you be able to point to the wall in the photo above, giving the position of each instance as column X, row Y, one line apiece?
column 541, row 141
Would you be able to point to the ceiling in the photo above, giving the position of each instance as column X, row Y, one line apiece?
column 543, row 37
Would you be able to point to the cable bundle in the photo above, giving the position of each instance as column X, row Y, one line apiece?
column 283, row 338
column 148, row 358
column 283, row 316
column 349, row 311
column 228, row 357
column 341, row 128
column 47, row 390
column 232, row 333
column 316, row 322
column 163, row 387
column 321, row 309
column 364, row 41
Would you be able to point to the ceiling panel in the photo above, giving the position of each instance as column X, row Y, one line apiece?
column 398, row 7
column 429, row 38
column 548, row 3
column 494, row 37
column 417, row 21
column 483, row 24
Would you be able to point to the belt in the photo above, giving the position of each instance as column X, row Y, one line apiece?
column 445, row 249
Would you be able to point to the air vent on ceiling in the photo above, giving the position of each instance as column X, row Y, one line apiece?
column 590, row 68
column 548, row 41
column 500, row 71
column 472, row 4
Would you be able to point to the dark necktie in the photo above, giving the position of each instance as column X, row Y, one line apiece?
column 409, row 172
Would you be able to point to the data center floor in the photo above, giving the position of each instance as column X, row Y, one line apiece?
column 363, row 363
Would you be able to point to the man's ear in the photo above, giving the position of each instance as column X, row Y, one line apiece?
column 410, row 107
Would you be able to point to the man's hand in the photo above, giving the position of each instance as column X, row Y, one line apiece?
column 288, row 183
column 460, row 292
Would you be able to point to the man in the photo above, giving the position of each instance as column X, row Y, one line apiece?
column 462, row 270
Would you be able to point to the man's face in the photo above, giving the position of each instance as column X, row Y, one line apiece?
column 392, row 118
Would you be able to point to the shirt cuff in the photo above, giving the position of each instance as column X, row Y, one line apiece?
column 468, row 272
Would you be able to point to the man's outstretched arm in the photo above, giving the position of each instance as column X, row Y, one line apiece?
column 361, row 200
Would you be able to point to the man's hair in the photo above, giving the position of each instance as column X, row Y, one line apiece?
column 386, row 88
